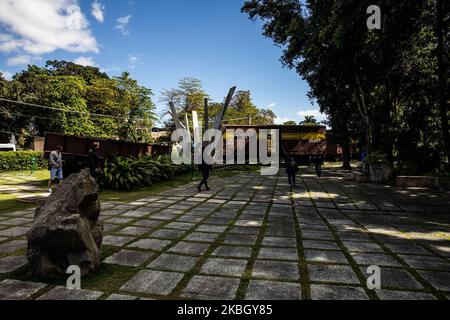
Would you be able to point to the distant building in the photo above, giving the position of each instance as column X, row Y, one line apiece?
column 158, row 133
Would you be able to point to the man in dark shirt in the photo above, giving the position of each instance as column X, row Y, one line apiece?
column 291, row 170
column 318, row 163
column 205, row 170
column 94, row 163
column 55, row 166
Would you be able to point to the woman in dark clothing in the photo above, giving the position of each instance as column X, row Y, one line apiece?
column 318, row 163
column 291, row 170
column 94, row 163
column 205, row 170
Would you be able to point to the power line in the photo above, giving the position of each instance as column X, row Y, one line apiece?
column 62, row 110
column 19, row 134
column 43, row 118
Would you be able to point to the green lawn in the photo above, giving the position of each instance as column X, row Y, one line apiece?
column 40, row 175
column 108, row 195
column 9, row 202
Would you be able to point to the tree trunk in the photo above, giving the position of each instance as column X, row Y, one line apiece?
column 346, row 153
column 442, row 97
column 364, row 113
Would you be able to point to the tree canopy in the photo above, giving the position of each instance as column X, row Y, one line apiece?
column 190, row 96
column 309, row 121
column 66, row 98
column 386, row 88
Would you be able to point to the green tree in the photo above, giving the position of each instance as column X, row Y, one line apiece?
column 188, row 96
column 378, row 84
column 67, row 68
column 76, row 100
column 290, row 123
column 141, row 115
column 309, row 121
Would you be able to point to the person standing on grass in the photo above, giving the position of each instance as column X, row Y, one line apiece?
column 94, row 162
column 318, row 163
column 56, row 167
column 291, row 170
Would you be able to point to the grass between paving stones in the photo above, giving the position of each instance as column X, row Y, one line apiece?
column 302, row 263
column 248, row 273
column 126, row 273
column 196, row 270
column 110, row 278
column 109, row 195
column 361, row 277
column 38, row 176
column 427, row 287
column 9, row 202
column 243, row 286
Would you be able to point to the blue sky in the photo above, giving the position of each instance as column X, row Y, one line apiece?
column 159, row 42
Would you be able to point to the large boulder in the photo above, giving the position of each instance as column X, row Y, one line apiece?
column 66, row 230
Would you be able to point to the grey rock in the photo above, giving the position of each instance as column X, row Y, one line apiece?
column 66, row 230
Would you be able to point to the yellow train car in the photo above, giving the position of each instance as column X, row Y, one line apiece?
column 301, row 142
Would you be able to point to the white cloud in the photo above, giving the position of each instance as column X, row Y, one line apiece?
column 98, row 11
column 85, row 61
column 43, row 26
column 282, row 120
column 6, row 75
column 21, row 60
column 316, row 113
column 132, row 60
column 272, row 105
column 122, row 24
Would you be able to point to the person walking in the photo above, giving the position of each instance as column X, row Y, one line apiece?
column 94, row 163
column 318, row 163
column 291, row 170
column 56, row 167
column 205, row 169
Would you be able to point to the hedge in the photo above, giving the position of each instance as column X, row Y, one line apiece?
column 21, row 160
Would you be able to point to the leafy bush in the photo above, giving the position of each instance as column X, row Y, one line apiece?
column 376, row 158
column 129, row 173
column 22, row 160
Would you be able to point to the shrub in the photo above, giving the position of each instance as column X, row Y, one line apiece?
column 377, row 158
column 129, row 173
column 22, row 160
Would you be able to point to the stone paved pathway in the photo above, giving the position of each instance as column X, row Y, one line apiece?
column 250, row 238
column 24, row 187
